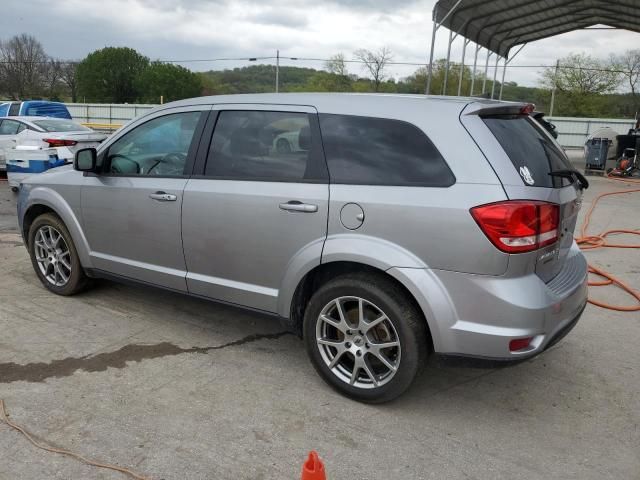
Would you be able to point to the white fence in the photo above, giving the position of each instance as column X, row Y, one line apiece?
column 105, row 113
column 573, row 132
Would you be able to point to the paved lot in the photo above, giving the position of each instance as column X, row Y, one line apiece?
column 114, row 375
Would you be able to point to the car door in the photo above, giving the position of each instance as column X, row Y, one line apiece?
column 131, row 209
column 8, row 131
column 258, row 208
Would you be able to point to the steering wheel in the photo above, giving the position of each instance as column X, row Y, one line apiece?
column 174, row 161
column 115, row 169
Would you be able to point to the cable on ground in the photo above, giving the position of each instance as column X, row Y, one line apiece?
column 592, row 242
column 4, row 418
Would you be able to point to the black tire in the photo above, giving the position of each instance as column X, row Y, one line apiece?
column 15, row 189
column 408, row 322
column 77, row 280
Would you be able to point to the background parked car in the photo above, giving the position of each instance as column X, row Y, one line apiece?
column 34, row 108
column 64, row 136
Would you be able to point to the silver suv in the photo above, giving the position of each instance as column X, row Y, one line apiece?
column 387, row 228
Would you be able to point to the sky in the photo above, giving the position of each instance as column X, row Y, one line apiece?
column 208, row 29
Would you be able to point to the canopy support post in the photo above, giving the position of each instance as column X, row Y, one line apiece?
column 486, row 71
column 504, row 72
column 436, row 25
column 433, row 44
column 495, row 77
column 446, row 65
column 475, row 65
column 464, row 52
column 555, row 85
column 506, row 63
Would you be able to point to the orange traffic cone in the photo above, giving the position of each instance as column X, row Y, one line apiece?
column 313, row 468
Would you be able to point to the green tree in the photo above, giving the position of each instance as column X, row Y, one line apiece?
column 172, row 82
column 580, row 83
column 109, row 75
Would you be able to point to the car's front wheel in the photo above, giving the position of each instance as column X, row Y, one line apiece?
column 54, row 256
column 365, row 337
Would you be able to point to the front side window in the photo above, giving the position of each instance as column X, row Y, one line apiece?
column 261, row 145
column 9, row 127
column 158, row 147
column 379, row 151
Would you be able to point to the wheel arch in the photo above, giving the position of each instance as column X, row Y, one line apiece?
column 324, row 272
column 43, row 201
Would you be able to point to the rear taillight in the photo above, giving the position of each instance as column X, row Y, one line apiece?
column 518, row 226
column 57, row 142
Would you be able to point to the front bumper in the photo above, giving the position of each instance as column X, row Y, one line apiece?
column 478, row 315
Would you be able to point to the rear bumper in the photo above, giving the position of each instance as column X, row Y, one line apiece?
column 477, row 315
column 460, row 360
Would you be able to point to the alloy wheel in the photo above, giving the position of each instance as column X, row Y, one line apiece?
column 52, row 255
column 358, row 342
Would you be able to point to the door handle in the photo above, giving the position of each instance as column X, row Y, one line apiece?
column 163, row 197
column 295, row 206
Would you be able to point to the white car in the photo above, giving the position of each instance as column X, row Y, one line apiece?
column 65, row 136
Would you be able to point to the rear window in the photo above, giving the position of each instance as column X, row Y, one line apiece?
column 531, row 151
column 378, row 151
column 60, row 126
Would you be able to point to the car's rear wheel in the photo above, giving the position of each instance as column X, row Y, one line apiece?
column 54, row 256
column 365, row 337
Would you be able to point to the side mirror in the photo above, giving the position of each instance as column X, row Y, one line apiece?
column 85, row 160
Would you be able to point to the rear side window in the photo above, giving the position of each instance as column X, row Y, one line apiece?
column 378, row 151
column 268, row 146
column 531, row 151
column 9, row 127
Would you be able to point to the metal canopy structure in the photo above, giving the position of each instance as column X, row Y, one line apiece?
column 500, row 25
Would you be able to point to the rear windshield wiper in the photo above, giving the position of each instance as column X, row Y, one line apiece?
column 572, row 175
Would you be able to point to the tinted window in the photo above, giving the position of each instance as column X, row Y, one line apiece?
column 60, row 126
column 530, row 149
column 377, row 151
column 9, row 127
column 157, row 147
column 264, row 146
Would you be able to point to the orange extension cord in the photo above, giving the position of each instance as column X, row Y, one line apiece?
column 4, row 418
column 591, row 242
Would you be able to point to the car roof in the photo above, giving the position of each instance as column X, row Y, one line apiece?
column 375, row 104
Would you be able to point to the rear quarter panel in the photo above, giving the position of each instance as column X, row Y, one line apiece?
column 421, row 227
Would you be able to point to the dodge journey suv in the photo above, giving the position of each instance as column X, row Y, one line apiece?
column 388, row 228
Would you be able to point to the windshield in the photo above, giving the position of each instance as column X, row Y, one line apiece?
column 531, row 150
column 51, row 125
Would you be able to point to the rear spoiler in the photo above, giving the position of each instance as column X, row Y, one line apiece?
column 499, row 108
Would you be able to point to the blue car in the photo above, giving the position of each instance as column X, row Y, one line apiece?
column 31, row 108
